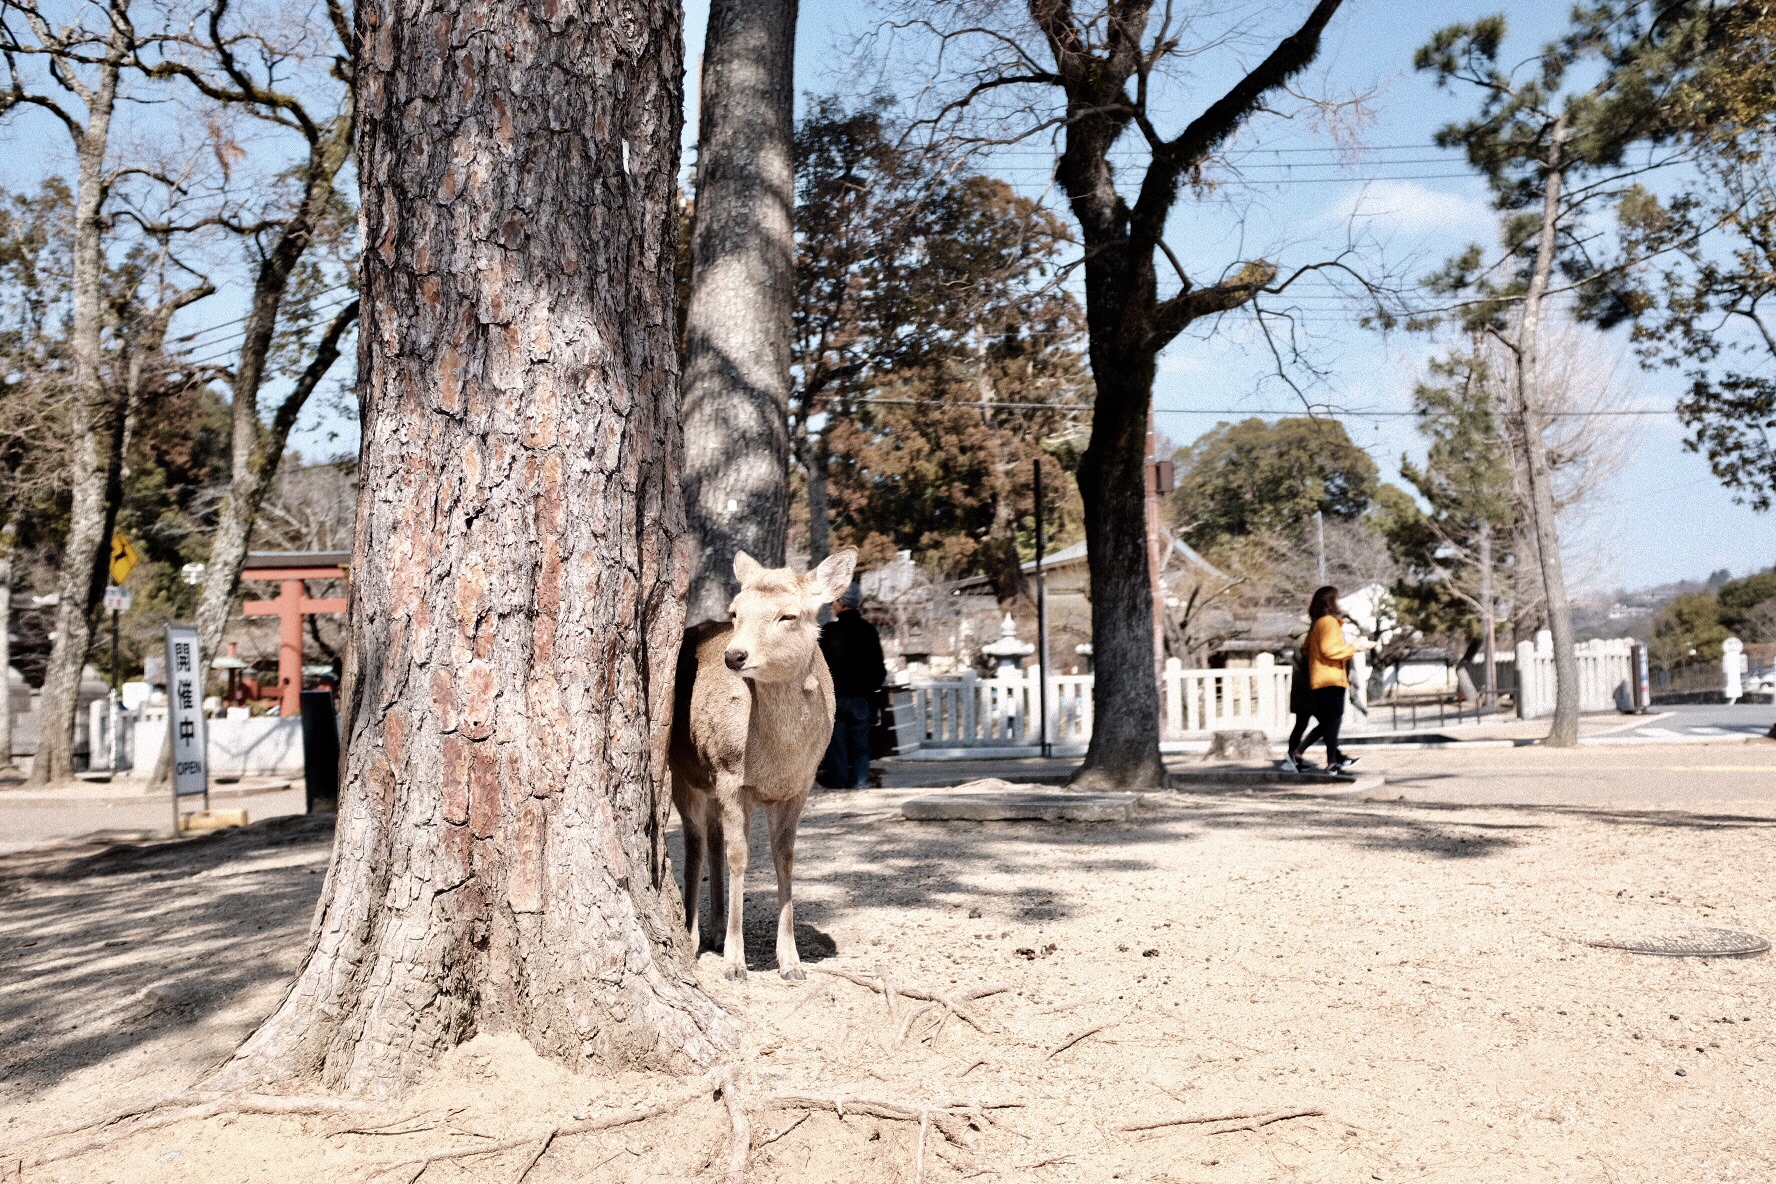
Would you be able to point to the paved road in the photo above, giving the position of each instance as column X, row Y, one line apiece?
column 94, row 811
column 1697, row 720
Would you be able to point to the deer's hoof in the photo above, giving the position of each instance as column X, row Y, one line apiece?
column 793, row 973
column 736, row 971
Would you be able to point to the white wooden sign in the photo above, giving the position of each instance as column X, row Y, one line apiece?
column 185, row 720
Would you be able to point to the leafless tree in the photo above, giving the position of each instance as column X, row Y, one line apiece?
column 76, row 70
column 1096, row 78
column 242, row 62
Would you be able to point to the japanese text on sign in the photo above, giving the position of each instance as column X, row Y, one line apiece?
column 185, row 720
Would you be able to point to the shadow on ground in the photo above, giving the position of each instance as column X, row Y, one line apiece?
column 103, row 947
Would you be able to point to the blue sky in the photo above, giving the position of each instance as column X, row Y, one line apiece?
column 1662, row 516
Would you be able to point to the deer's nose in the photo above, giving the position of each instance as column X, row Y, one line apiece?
column 734, row 659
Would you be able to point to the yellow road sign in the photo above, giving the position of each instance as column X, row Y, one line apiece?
column 123, row 558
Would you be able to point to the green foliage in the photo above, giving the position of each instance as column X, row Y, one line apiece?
column 1737, row 598
column 1581, row 107
column 1709, row 252
column 1252, row 476
column 1687, row 630
column 922, row 283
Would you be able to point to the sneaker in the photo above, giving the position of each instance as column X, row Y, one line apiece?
column 1341, row 766
column 1290, row 764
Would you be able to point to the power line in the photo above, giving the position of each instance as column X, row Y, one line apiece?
column 196, row 333
column 231, row 344
column 1319, row 410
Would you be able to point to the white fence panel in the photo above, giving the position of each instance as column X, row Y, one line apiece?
column 1001, row 712
column 1606, row 671
column 261, row 746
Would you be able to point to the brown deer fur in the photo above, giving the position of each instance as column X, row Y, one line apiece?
column 752, row 716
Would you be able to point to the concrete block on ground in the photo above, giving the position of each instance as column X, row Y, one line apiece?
column 208, row 820
column 1241, row 744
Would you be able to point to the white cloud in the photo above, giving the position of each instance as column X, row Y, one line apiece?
column 1414, row 208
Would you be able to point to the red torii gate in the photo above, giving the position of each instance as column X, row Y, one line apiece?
column 292, row 569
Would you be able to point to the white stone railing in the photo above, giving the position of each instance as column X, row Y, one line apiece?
column 259, row 746
column 1606, row 671
column 970, row 712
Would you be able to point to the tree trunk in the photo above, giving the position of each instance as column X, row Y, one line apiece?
column 255, row 451
column 737, row 330
column 8, row 543
column 1124, row 750
column 501, row 859
column 1565, row 730
column 92, row 423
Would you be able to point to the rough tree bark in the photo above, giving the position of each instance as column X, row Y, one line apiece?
column 94, row 421
column 1564, row 733
column 500, row 861
column 737, row 329
column 1128, row 324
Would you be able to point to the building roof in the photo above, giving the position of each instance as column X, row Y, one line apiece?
column 258, row 559
column 1075, row 554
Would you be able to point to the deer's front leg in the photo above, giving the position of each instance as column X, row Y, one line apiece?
column 783, row 817
column 696, row 847
column 736, row 826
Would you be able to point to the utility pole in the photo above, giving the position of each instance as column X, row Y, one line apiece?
column 1153, row 474
column 1320, row 524
column 1488, row 632
column 1041, row 613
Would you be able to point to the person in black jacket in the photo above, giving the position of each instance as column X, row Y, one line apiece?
column 854, row 656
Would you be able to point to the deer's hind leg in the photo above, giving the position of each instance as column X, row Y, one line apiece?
column 783, row 818
column 696, row 839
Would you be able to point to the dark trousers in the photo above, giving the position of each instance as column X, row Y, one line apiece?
column 1325, row 705
column 848, row 756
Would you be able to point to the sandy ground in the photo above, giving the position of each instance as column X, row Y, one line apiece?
column 1412, row 969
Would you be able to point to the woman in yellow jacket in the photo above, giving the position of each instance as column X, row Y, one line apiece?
column 1328, row 654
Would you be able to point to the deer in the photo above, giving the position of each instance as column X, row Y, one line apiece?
column 752, row 716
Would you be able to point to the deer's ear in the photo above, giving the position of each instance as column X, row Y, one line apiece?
column 833, row 575
column 746, row 568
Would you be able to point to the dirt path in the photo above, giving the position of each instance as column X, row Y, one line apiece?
column 1406, row 968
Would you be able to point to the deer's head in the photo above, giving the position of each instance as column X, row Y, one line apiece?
column 775, row 631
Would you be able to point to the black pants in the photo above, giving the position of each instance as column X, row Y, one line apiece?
column 847, row 760
column 1326, row 705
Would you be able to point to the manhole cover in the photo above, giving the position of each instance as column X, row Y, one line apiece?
column 1698, row 943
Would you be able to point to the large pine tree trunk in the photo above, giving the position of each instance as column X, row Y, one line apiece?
column 516, row 582
column 737, row 329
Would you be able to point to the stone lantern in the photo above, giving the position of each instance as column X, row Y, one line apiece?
column 1007, row 650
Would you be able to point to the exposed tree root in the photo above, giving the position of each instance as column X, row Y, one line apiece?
column 703, row 1089
column 769, row 1139
column 176, row 1108
column 742, row 1148
column 950, row 1118
column 1235, row 1122
column 952, row 1005
column 1070, row 1041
